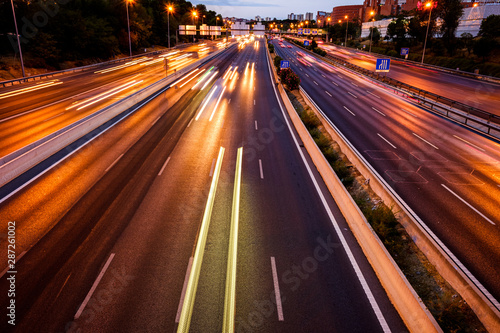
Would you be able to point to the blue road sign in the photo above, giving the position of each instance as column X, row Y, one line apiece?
column 284, row 64
column 383, row 65
column 307, row 31
column 300, row 31
column 306, row 43
column 405, row 51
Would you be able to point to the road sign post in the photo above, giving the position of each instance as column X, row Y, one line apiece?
column 405, row 51
column 383, row 65
column 284, row 64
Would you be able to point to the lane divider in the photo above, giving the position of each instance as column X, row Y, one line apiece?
column 188, row 304
column 230, row 298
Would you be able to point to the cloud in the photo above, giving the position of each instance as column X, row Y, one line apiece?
column 225, row 3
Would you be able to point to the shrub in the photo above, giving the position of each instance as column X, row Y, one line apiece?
column 392, row 53
column 288, row 77
column 277, row 61
column 271, row 48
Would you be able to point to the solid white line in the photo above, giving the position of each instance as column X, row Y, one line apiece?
column 328, row 93
column 94, row 286
column 75, row 151
column 359, row 274
column 409, row 113
column 154, row 122
column 350, row 93
column 57, row 115
column 183, row 293
column 378, row 111
column 468, row 204
column 212, row 168
column 430, row 144
column 256, row 127
column 261, row 171
column 164, row 165
column 335, row 84
column 7, row 268
column 372, row 94
column 277, row 292
column 393, row 146
column 471, row 144
column 316, row 83
column 345, row 107
column 113, row 163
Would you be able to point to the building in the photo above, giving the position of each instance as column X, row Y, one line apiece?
column 268, row 19
column 470, row 22
column 309, row 16
column 258, row 18
column 292, row 16
column 353, row 12
column 321, row 18
column 299, row 17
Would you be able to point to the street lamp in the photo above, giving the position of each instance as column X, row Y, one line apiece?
column 195, row 15
column 371, row 31
column 18, row 38
column 347, row 24
column 170, row 8
column 427, row 5
column 328, row 29
column 128, row 26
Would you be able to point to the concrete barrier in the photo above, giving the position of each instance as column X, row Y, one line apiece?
column 436, row 252
column 23, row 159
column 409, row 306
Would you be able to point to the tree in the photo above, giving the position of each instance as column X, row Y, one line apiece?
column 376, row 35
column 450, row 12
column 397, row 31
column 467, row 41
column 490, row 27
column 483, row 47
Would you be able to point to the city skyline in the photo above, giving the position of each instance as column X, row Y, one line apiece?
column 278, row 9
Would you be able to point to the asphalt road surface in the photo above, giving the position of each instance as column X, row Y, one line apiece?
column 110, row 233
column 449, row 175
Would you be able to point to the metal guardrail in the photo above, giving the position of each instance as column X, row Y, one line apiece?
column 76, row 69
column 425, row 65
column 478, row 119
column 416, row 63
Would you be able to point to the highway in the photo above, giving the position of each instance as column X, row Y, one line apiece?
column 449, row 175
column 110, row 233
column 477, row 93
column 31, row 111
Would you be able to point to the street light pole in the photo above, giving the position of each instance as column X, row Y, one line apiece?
column 429, row 4
column 328, row 30
column 128, row 26
column 18, row 38
column 168, row 23
column 347, row 25
column 371, row 32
